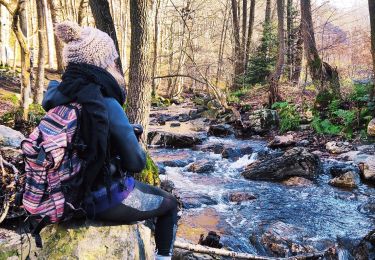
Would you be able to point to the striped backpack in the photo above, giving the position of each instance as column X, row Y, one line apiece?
column 53, row 165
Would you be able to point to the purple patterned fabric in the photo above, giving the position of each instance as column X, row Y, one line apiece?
column 120, row 190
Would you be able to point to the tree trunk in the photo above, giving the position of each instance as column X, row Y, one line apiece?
column 20, row 30
column 274, row 95
column 49, row 35
column 321, row 72
column 237, row 44
column 82, row 11
column 267, row 17
column 289, row 26
column 244, row 35
column 56, row 14
column 298, row 55
column 155, row 47
column 104, row 22
column 139, row 95
column 39, row 82
column 222, row 45
column 250, row 32
column 371, row 5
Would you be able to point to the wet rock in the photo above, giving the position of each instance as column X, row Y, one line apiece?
column 197, row 200
column 203, row 166
column 220, row 130
column 176, row 163
column 10, row 137
column 162, row 119
column 167, row 185
column 367, row 168
column 334, row 147
column 175, row 124
column 195, row 113
column 338, row 168
column 229, row 116
column 280, row 239
column 298, row 182
column 165, row 139
column 215, row 148
column 240, row 197
column 371, row 128
column 294, row 162
column 235, row 153
column 261, row 121
column 303, row 143
column 212, row 240
column 183, row 117
column 366, row 149
column 366, row 249
column 282, row 141
column 348, row 180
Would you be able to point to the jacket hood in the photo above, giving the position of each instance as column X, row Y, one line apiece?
column 53, row 97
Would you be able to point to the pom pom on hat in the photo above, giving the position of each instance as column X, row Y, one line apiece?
column 68, row 31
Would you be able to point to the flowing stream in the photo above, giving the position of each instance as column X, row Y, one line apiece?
column 317, row 215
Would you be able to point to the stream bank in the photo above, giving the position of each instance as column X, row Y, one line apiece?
column 242, row 184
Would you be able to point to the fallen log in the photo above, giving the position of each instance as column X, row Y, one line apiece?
column 236, row 255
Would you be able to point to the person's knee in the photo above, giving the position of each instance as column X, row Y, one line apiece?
column 172, row 202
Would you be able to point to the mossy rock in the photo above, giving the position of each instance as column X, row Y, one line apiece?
column 93, row 240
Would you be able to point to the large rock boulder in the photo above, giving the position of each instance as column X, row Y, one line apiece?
column 165, row 139
column 366, row 248
column 89, row 240
column 294, row 162
column 10, row 137
column 261, row 121
column 371, row 128
column 96, row 241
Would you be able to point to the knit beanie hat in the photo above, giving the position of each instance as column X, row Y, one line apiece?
column 86, row 45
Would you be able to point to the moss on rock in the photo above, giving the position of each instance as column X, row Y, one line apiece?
column 150, row 174
column 93, row 240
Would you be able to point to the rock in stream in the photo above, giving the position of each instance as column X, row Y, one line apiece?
column 294, row 162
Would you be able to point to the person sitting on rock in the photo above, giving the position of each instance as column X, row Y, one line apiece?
column 92, row 79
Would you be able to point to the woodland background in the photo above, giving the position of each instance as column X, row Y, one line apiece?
column 240, row 52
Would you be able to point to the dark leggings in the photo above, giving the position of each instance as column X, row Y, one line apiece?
column 146, row 202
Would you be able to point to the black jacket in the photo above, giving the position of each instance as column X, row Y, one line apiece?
column 122, row 137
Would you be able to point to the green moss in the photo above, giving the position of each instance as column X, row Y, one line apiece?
column 61, row 242
column 150, row 174
column 6, row 253
column 159, row 101
column 8, row 97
